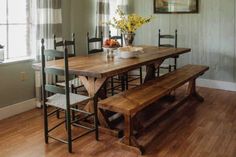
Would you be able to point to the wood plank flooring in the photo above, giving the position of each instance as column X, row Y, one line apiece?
column 197, row 130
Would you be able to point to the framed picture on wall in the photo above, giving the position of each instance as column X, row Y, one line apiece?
column 175, row 6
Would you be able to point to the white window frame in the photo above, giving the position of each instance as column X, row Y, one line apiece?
column 27, row 42
column 113, row 7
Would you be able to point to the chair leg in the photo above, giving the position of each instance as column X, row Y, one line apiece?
column 112, row 86
column 123, row 82
column 126, row 82
column 73, row 115
column 175, row 66
column 68, row 126
column 158, row 71
column 73, row 90
column 105, row 89
column 96, row 117
column 66, row 121
column 169, row 68
column 45, row 123
column 58, row 114
column 141, row 75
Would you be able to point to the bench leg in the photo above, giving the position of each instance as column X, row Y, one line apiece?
column 129, row 141
column 192, row 91
column 128, row 130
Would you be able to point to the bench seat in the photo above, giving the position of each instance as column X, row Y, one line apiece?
column 135, row 99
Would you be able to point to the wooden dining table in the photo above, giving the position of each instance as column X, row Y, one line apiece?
column 93, row 70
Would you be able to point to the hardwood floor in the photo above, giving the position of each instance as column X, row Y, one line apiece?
column 195, row 130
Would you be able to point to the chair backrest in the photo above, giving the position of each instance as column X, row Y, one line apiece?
column 167, row 36
column 70, row 43
column 96, row 41
column 50, row 71
column 117, row 37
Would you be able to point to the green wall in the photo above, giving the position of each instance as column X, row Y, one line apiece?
column 12, row 89
column 79, row 18
column 66, row 20
column 210, row 34
column 82, row 21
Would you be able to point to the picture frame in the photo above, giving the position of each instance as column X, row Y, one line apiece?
column 176, row 6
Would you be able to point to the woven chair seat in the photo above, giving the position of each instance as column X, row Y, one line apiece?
column 59, row 100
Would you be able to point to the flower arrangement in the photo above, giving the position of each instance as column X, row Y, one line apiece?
column 128, row 23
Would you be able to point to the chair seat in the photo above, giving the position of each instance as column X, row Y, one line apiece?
column 59, row 100
column 75, row 82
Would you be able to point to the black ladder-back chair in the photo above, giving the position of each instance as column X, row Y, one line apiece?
column 99, row 41
column 63, row 99
column 121, row 78
column 160, row 44
column 94, row 40
column 69, row 43
column 75, row 82
column 117, row 37
column 60, row 44
column 128, row 77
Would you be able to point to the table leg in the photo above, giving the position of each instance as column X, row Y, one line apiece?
column 151, row 70
column 93, row 85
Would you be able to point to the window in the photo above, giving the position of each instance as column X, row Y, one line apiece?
column 113, row 7
column 14, row 28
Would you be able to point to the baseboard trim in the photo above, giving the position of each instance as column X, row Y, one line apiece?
column 18, row 108
column 21, row 107
column 229, row 86
column 215, row 84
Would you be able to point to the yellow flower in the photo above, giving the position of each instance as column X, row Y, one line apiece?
column 128, row 23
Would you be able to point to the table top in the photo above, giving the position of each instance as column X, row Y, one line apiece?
column 99, row 66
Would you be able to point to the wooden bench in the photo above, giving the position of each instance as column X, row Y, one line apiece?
column 130, row 102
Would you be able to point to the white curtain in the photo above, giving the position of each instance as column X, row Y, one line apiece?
column 46, row 17
column 123, row 4
column 106, row 10
column 46, row 22
column 102, row 16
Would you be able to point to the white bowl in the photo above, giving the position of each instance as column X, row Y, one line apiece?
column 129, row 52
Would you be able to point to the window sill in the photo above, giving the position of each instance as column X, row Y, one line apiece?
column 16, row 60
